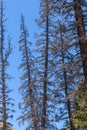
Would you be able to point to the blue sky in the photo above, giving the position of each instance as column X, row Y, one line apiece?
column 13, row 10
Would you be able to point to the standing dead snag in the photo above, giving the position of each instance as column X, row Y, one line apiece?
column 81, row 35
column 66, row 86
column 45, row 67
column 4, row 55
column 45, row 72
column 27, row 82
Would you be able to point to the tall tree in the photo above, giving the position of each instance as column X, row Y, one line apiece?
column 45, row 71
column 66, row 53
column 79, row 114
column 5, row 51
column 65, row 74
column 75, row 24
column 27, row 86
column 68, row 102
column 76, row 54
column 45, row 61
column 81, row 30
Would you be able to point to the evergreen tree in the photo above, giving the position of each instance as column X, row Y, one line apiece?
column 45, row 63
column 76, row 10
column 80, row 108
column 68, row 61
column 64, row 77
column 61, row 63
column 27, row 86
column 81, row 30
column 5, row 100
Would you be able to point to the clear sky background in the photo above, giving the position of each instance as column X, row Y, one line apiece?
column 13, row 10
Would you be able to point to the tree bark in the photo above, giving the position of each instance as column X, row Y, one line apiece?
column 3, row 98
column 66, row 87
column 3, row 70
column 45, row 73
column 30, row 89
column 81, row 35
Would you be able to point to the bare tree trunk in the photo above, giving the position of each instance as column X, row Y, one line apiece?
column 30, row 89
column 81, row 35
column 45, row 74
column 66, row 88
column 3, row 70
column 3, row 98
column 27, row 77
column 31, row 93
